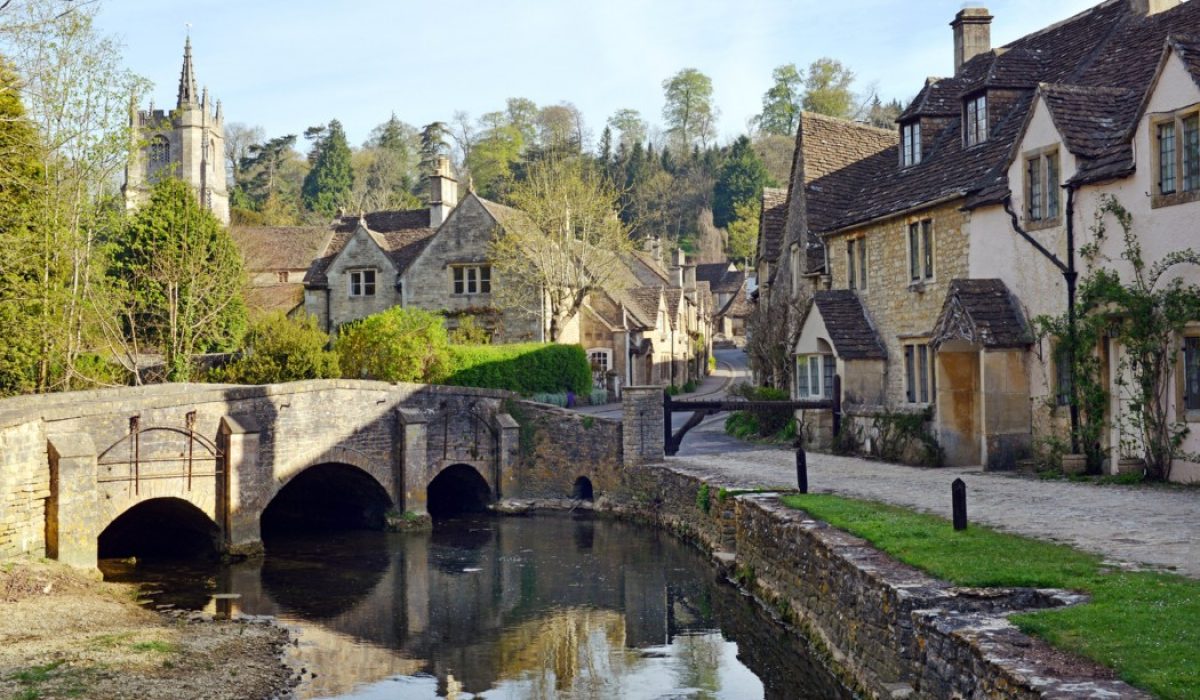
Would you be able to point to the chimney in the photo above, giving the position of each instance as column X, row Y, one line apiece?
column 1151, row 7
column 443, row 193
column 972, row 34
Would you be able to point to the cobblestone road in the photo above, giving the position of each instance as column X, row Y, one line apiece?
column 1159, row 527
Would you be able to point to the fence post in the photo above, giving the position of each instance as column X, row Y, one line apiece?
column 837, row 404
column 801, row 466
column 958, row 497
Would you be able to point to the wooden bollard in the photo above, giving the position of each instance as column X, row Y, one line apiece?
column 958, row 495
column 801, row 469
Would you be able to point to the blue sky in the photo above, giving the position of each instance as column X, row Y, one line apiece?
column 289, row 65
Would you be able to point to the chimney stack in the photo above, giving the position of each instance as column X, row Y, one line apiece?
column 443, row 192
column 1151, row 7
column 973, row 34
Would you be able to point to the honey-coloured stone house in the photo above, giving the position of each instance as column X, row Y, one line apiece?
column 954, row 235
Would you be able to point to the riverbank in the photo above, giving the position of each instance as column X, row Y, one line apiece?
column 64, row 634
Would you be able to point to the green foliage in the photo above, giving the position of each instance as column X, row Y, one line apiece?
column 781, row 103
column 598, row 397
column 827, row 89
column 672, row 390
column 525, row 368
column 704, row 498
column 743, row 230
column 397, row 345
column 557, row 398
column 688, row 109
column 1139, row 623
column 469, row 332
column 740, row 182
column 268, row 184
column 689, row 387
column 327, row 186
column 899, row 431
column 281, row 349
column 178, row 276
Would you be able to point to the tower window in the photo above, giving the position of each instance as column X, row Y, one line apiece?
column 158, row 154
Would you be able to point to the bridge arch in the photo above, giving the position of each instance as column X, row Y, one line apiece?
column 334, row 495
column 456, row 490
column 160, row 528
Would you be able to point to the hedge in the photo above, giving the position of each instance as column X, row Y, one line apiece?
column 525, row 368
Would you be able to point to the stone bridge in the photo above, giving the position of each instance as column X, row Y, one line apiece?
column 217, row 458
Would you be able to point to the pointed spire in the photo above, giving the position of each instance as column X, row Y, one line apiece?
column 187, row 78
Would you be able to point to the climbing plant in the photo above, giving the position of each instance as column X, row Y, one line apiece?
column 1085, row 386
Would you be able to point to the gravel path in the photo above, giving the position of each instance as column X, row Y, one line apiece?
column 1155, row 526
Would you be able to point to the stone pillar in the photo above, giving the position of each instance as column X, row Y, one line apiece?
column 509, row 443
column 237, row 512
column 642, row 425
column 413, row 432
column 72, row 526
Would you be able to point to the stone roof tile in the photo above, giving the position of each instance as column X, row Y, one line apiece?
column 850, row 330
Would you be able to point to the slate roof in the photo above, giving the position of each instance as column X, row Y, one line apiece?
column 402, row 236
column 644, row 304
column 277, row 248
column 983, row 312
column 720, row 278
column 738, row 307
column 853, row 336
column 674, row 298
column 1094, row 67
column 773, row 223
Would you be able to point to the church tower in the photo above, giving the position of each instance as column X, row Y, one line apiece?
column 187, row 143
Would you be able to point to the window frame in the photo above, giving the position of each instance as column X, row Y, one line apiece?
column 857, row 277
column 920, row 382
column 921, row 249
column 471, row 280
column 1043, row 202
column 910, row 144
column 821, row 367
column 1064, row 383
column 1184, row 394
column 1175, row 154
column 362, row 282
column 975, row 120
column 606, row 353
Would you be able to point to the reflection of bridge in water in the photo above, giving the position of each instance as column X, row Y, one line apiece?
column 542, row 601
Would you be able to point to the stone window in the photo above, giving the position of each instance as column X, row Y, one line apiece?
column 282, row 275
column 910, row 144
column 472, row 279
column 600, row 359
column 975, row 120
column 856, row 263
column 795, row 269
column 362, row 283
column 1191, row 378
column 1063, row 384
column 1177, row 158
column 919, row 383
column 1041, row 187
column 814, row 376
column 158, row 154
column 920, row 251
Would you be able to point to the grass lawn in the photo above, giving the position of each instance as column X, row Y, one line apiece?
column 1144, row 625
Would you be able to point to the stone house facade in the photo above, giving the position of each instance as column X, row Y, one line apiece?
column 187, row 142
column 945, row 237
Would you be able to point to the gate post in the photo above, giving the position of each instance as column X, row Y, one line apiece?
column 642, row 423
column 237, row 486
column 414, row 454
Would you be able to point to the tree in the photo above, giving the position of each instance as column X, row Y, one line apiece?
column 741, row 180
column 179, row 275
column 827, row 89
column 567, row 243
column 280, row 349
column 882, row 114
column 561, row 129
column 433, row 144
column 522, row 116
column 782, row 103
column 630, row 127
column 239, row 138
column 688, row 111
column 397, row 345
column 384, row 176
column 272, row 177
column 743, row 231
column 328, row 185
column 771, row 332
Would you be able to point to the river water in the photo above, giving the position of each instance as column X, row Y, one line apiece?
column 538, row 607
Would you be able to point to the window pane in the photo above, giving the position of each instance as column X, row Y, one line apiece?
column 927, row 244
column 355, row 284
column 1191, row 362
column 1052, row 186
column 1191, row 153
column 485, row 279
column 368, row 282
column 1166, row 158
column 1033, row 175
column 1062, row 371
column 923, row 354
column 914, row 257
column 909, row 374
column 801, row 377
column 472, row 280
column 814, row 374
column 851, row 277
column 458, row 280
column 830, row 368
column 862, row 263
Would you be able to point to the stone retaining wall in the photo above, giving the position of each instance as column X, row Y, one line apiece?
column 24, row 488
column 888, row 629
column 559, row 446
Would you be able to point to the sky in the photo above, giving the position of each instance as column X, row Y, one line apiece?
column 288, row 65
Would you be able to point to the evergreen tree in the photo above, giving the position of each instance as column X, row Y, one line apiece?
column 179, row 279
column 327, row 186
column 741, row 180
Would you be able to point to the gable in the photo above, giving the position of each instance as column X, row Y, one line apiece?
column 361, row 250
column 1174, row 88
column 462, row 238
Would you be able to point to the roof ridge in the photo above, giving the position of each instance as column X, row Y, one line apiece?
column 847, row 122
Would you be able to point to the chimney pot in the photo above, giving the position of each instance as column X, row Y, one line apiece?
column 972, row 35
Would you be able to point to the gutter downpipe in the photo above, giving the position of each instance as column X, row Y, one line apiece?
column 1071, row 276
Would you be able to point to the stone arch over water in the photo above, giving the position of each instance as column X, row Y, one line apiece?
column 456, row 490
column 327, row 496
column 160, row 528
column 582, row 490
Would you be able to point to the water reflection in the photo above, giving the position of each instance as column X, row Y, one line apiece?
column 508, row 608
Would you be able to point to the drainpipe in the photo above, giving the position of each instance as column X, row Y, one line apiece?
column 1069, row 274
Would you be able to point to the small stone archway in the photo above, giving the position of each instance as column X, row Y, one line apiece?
column 456, row 490
column 326, row 496
column 582, row 490
column 160, row 528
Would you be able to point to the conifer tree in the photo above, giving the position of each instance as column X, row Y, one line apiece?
column 741, row 180
column 327, row 186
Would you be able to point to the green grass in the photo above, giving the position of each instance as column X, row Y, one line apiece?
column 1144, row 625
column 156, row 646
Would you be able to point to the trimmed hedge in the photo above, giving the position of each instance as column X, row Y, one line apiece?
column 525, row 368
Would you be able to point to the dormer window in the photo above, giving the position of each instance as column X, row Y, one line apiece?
column 910, row 144
column 975, row 120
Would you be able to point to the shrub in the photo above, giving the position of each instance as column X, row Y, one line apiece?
column 559, row 400
column 689, row 387
column 526, row 368
column 280, row 349
column 598, row 397
column 397, row 345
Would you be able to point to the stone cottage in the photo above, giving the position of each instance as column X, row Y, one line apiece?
column 969, row 225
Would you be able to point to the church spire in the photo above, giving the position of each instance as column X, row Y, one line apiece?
column 187, row 79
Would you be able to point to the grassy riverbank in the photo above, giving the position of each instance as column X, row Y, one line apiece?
column 1144, row 625
column 65, row 635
